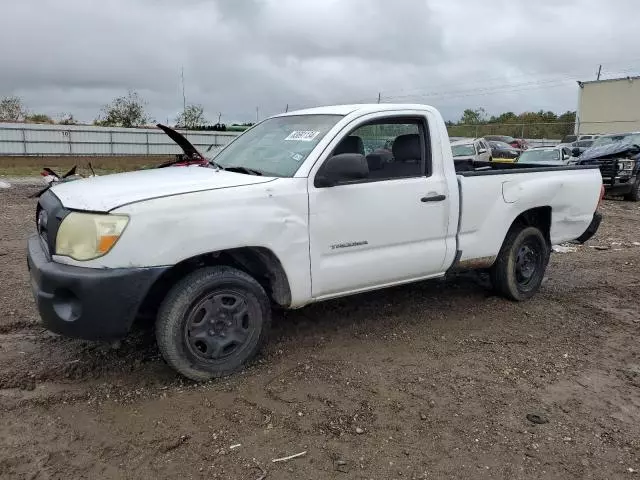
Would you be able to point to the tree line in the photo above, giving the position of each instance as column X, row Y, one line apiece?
column 127, row 111
column 130, row 110
column 541, row 124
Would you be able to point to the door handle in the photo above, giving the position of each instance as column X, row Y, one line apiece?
column 433, row 198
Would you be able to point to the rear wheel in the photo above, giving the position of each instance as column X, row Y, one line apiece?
column 634, row 195
column 519, row 269
column 212, row 322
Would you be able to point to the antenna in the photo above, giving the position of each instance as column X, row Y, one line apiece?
column 184, row 98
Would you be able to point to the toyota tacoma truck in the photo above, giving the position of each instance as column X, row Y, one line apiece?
column 290, row 213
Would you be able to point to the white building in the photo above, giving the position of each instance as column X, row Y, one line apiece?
column 609, row 106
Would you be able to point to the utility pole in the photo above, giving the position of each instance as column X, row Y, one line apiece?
column 379, row 96
column 599, row 71
column 286, row 109
column 184, row 98
column 219, row 117
column 257, row 114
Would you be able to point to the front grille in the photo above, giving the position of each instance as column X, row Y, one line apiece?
column 608, row 169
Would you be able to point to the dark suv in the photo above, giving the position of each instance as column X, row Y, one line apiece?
column 618, row 157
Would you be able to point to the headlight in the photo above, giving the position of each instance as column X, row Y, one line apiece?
column 626, row 165
column 85, row 236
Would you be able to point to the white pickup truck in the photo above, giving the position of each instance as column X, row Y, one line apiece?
column 303, row 207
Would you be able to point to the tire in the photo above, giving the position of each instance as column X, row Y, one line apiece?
column 212, row 322
column 519, row 269
column 634, row 194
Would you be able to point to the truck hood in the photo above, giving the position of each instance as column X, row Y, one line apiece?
column 104, row 193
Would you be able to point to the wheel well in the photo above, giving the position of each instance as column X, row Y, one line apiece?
column 539, row 217
column 261, row 263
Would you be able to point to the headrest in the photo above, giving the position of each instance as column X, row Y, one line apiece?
column 407, row 147
column 350, row 144
column 375, row 161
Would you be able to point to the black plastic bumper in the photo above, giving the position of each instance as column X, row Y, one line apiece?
column 618, row 186
column 94, row 304
column 591, row 229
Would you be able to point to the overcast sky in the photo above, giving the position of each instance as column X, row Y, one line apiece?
column 76, row 55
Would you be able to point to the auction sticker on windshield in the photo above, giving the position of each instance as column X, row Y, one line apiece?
column 302, row 136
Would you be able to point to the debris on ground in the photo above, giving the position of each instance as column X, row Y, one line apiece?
column 167, row 447
column 537, row 418
column 341, row 466
column 290, row 457
column 4, row 184
column 564, row 249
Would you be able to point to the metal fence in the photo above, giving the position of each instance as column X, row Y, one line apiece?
column 33, row 139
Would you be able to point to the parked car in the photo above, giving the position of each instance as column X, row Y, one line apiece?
column 576, row 138
column 501, row 151
column 470, row 151
column 551, row 155
column 618, row 157
column 517, row 143
column 288, row 214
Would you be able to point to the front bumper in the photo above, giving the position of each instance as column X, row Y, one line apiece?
column 618, row 185
column 88, row 303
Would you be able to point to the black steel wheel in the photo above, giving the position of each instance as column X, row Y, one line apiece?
column 213, row 322
column 219, row 324
column 519, row 269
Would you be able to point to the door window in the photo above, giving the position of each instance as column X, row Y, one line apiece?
column 394, row 148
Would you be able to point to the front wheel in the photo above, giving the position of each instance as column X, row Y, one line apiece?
column 212, row 322
column 519, row 269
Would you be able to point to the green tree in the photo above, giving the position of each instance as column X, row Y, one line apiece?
column 191, row 117
column 12, row 109
column 469, row 116
column 126, row 111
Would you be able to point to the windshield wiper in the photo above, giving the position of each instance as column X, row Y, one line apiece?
column 216, row 165
column 240, row 169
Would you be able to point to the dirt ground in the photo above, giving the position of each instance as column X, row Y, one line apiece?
column 433, row 380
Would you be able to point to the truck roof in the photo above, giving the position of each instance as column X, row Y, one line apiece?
column 363, row 108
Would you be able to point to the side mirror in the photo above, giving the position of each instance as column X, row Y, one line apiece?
column 576, row 152
column 482, row 150
column 342, row 168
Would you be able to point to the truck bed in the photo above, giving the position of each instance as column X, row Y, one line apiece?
column 491, row 199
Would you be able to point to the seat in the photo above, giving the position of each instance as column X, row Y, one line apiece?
column 407, row 157
column 350, row 144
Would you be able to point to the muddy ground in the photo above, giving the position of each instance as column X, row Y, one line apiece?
column 433, row 380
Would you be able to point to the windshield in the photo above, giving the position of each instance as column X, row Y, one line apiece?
column 533, row 156
column 463, row 150
column 278, row 146
column 625, row 138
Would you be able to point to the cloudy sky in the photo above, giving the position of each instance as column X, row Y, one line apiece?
column 76, row 55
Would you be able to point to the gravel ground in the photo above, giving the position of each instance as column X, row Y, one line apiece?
column 434, row 380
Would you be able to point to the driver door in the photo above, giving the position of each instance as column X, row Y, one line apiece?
column 388, row 228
